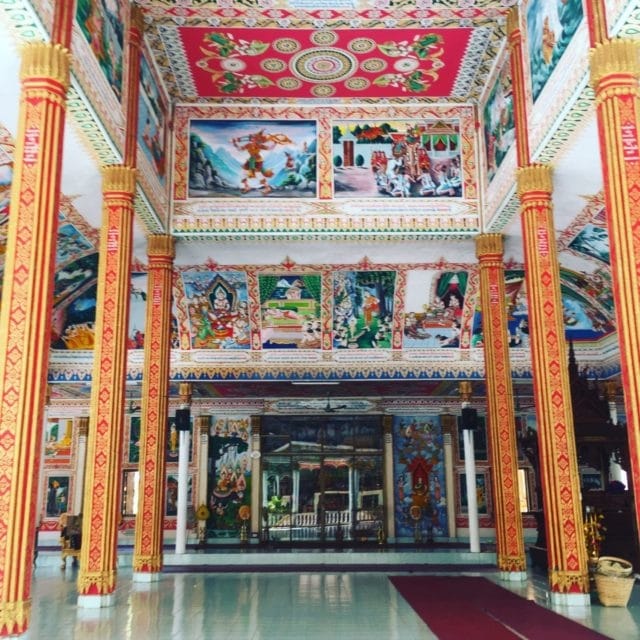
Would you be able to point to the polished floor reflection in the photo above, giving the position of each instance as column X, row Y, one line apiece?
column 266, row 606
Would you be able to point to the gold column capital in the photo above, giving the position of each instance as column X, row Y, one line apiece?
column 535, row 177
column 45, row 60
column 83, row 426
column 489, row 244
column 465, row 389
column 161, row 246
column 136, row 18
column 184, row 392
column 118, row 177
column 513, row 20
column 619, row 56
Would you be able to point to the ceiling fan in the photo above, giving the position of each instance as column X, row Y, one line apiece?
column 332, row 409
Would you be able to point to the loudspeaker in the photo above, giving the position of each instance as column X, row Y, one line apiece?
column 469, row 418
column 183, row 419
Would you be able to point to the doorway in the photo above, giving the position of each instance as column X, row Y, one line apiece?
column 322, row 479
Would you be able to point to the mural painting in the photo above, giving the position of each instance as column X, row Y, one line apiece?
column 218, row 309
column 171, row 494
column 481, row 493
column 151, row 121
column 593, row 241
column 57, row 495
column 72, row 325
column 418, row 468
column 5, row 195
column 71, row 243
column 137, row 310
column 403, row 159
column 230, row 480
column 172, row 440
column 290, row 309
column 134, row 439
column 58, row 434
column 74, row 277
column 433, row 309
column 550, row 26
column 363, row 309
column 584, row 318
column 252, row 158
column 102, row 24
column 499, row 126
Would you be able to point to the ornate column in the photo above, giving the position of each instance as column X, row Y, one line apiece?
column 389, row 502
column 566, row 551
column 81, row 460
column 514, row 34
column 256, row 506
column 615, row 71
column 202, row 427
column 502, row 428
column 147, row 550
column 25, row 317
column 97, row 575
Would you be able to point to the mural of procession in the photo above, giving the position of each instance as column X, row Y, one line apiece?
column 405, row 159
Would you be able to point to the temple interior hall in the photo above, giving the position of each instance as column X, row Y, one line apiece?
column 309, row 308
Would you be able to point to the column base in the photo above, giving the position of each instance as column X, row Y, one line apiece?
column 97, row 601
column 570, row 599
column 513, row 576
column 146, row 576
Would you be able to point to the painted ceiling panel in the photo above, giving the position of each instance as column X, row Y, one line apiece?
column 331, row 63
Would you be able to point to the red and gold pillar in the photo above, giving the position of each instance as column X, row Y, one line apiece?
column 25, row 317
column 147, row 552
column 504, row 453
column 97, row 575
column 566, row 550
column 615, row 75
column 514, row 35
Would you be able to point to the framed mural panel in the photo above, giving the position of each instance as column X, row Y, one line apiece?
column 482, row 492
column 135, row 426
column 397, row 159
column 151, row 122
column 58, row 436
column 550, row 28
column 218, row 308
column 230, row 479
column 102, row 24
column 363, row 309
column 290, row 306
column 419, row 476
column 57, row 489
column 252, row 158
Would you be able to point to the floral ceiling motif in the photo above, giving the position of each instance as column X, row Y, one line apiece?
column 325, row 63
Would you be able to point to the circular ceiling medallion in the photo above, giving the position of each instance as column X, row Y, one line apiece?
column 323, row 65
column 361, row 45
column 357, row 84
column 323, row 91
column 373, row 65
column 273, row 65
column 289, row 84
column 286, row 45
column 405, row 65
column 324, row 38
column 233, row 64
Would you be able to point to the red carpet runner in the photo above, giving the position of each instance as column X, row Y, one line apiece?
column 460, row 608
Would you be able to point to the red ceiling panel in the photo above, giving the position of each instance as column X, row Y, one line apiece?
column 305, row 63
